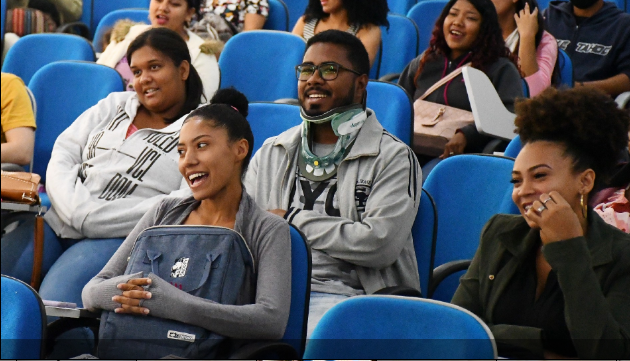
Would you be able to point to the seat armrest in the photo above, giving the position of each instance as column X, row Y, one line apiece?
column 399, row 291
column 276, row 350
column 444, row 270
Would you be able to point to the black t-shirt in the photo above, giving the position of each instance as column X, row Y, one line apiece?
column 518, row 306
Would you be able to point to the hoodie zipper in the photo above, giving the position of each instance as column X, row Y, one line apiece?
column 181, row 225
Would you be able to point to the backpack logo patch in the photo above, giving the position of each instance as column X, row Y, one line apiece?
column 179, row 268
column 181, row 336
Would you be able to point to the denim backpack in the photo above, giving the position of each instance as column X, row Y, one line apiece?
column 206, row 262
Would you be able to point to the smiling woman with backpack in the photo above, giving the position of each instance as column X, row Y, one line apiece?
column 215, row 149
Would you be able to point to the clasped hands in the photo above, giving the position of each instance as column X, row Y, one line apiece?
column 132, row 296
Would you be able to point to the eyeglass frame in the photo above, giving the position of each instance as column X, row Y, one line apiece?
column 318, row 69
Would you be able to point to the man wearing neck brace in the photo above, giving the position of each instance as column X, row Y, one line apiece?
column 596, row 36
column 347, row 184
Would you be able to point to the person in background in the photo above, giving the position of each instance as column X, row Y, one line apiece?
column 174, row 15
column 554, row 281
column 523, row 31
column 18, row 123
column 115, row 162
column 360, row 18
column 467, row 31
column 222, row 19
column 596, row 36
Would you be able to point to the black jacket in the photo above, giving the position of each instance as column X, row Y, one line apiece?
column 593, row 272
column 599, row 47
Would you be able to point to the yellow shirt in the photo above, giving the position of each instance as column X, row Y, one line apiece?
column 16, row 105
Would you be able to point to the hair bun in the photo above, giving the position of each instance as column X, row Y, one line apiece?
column 233, row 98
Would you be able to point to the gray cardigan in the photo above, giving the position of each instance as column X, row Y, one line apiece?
column 262, row 310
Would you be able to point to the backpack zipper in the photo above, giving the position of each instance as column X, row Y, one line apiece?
column 182, row 225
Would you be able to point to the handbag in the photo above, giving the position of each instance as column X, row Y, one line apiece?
column 20, row 187
column 207, row 262
column 435, row 124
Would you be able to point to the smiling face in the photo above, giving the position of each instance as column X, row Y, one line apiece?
column 208, row 160
column 461, row 27
column 542, row 167
column 171, row 14
column 317, row 95
column 160, row 85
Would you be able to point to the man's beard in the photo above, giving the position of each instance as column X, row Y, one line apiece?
column 348, row 100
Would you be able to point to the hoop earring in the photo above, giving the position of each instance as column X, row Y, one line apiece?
column 584, row 206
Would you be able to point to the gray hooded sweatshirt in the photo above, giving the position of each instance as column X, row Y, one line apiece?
column 376, row 239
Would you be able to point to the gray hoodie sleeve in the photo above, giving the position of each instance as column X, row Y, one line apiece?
column 98, row 293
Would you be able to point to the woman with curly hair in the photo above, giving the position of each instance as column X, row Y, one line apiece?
column 466, row 32
column 554, row 282
column 359, row 18
column 522, row 24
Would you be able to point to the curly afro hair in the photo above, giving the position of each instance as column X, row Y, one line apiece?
column 585, row 120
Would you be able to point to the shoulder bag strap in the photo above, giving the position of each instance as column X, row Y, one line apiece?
column 443, row 81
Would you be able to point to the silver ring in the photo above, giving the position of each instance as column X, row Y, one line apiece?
column 451, row 153
column 547, row 200
column 541, row 208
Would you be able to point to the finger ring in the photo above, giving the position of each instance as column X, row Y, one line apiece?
column 547, row 200
column 451, row 153
column 541, row 208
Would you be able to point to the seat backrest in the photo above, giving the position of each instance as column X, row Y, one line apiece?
column 566, row 68
column 424, row 233
column 490, row 114
column 64, row 90
column 108, row 21
column 86, row 13
column 400, row 7
column 393, row 327
column 468, row 190
column 32, row 52
column 393, row 108
column 270, row 119
column 23, row 321
column 296, row 10
column 295, row 333
column 399, row 43
column 3, row 17
column 278, row 18
column 425, row 14
column 513, row 147
column 100, row 8
column 261, row 64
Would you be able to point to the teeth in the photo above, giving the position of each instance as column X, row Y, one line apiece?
column 317, row 96
column 527, row 207
column 195, row 176
column 149, row 91
column 455, row 32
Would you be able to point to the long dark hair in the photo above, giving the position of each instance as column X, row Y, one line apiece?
column 228, row 109
column 172, row 45
column 485, row 50
column 533, row 4
column 360, row 12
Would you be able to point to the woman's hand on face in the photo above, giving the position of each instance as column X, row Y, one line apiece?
column 455, row 146
column 557, row 220
column 132, row 296
column 527, row 22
